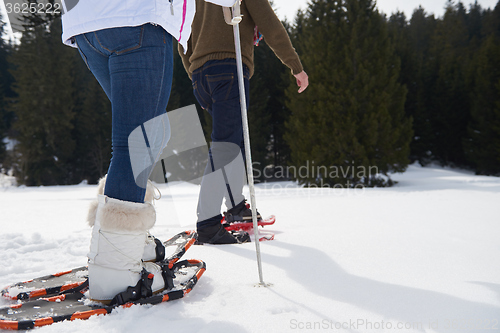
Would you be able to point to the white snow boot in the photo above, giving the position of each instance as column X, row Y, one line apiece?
column 119, row 235
column 153, row 247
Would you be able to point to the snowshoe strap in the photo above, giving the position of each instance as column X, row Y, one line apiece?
column 160, row 250
column 168, row 275
column 141, row 290
column 241, row 236
column 222, row 233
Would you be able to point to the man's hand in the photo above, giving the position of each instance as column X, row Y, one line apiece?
column 302, row 81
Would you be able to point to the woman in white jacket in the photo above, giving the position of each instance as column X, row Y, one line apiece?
column 127, row 45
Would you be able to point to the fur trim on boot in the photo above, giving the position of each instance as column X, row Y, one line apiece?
column 150, row 197
column 118, row 215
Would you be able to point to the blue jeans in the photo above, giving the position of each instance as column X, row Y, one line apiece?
column 134, row 66
column 216, row 88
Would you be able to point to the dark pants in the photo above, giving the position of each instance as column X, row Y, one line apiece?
column 216, row 88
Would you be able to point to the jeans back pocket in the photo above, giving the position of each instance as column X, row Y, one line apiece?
column 221, row 86
column 120, row 40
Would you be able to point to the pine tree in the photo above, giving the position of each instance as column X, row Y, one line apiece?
column 259, row 114
column 474, row 22
column 491, row 20
column 450, row 99
column 44, row 107
column 350, row 124
column 268, row 111
column 6, row 93
column 483, row 145
column 419, row 77
column 92, row 127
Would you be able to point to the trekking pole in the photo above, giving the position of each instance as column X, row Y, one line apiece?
column 232, row 16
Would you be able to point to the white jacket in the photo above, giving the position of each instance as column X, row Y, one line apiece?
column 175, row 16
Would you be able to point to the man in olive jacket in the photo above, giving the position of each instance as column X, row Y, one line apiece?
column 211, row 65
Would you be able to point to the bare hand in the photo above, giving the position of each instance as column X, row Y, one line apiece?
column 302, row 81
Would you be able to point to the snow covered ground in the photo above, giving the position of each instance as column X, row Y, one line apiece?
column 422, row 256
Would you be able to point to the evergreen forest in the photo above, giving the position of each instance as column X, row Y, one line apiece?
column 386, row 90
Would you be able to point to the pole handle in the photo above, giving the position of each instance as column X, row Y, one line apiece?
column 232, row 15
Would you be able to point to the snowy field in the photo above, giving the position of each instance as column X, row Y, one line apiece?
column 423, row 256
